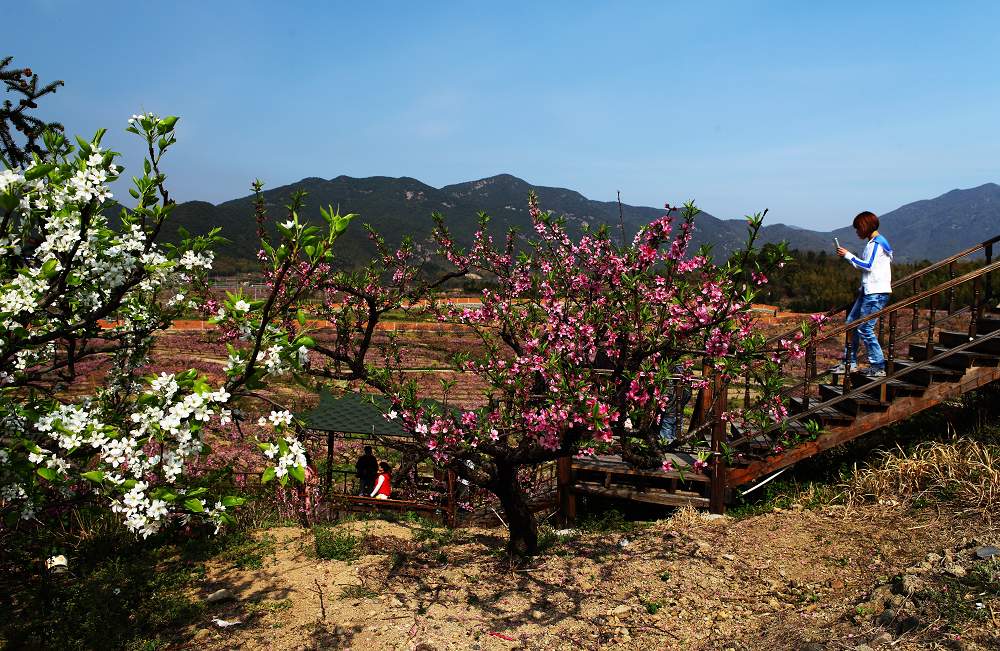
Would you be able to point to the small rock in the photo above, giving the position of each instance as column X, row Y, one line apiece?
column 886, row 617
column 729, row 557
column 773, row 603
column 220, row 595
column 202, row 634
column 883, row 638
column 797, row 507
column 836, row 584
column 537, row 614
column 618, row 611
column 395, row 603
column 712, row 517
column 955, row 570
column 985, row 553
column 862, row 647
column 910, row 584
column 907, row 624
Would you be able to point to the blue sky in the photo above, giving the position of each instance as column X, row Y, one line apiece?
column 814, row 111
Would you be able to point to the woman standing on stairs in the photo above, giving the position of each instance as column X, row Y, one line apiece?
column 876, row 286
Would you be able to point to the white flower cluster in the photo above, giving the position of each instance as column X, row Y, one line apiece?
column 10, row 178
column 271, row 359
column 141, row 514
column 277, row 419
column 295, row 457
column 124, row 458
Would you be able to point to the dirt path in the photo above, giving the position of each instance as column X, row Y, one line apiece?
column 798, row 579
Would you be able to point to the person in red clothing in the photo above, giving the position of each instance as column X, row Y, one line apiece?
column 383, row 485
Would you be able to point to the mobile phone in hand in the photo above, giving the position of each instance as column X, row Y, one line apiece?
column 836, row 242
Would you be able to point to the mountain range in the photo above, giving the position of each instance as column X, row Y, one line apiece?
column 923, row 230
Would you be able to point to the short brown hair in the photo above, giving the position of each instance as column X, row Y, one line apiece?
column 866, row 222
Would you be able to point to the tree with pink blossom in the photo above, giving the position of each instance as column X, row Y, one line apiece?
column 583, row 342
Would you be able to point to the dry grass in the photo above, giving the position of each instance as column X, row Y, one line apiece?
column 965, row 471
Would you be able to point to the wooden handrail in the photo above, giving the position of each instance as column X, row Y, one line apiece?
column 946, row 286
column 906, row 302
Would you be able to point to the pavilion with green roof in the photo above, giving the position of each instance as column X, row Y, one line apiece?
column 358, row 416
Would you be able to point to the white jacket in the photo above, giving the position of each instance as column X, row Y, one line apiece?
column 875, row 265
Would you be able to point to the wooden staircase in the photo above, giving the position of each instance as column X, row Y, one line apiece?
column 941, row 340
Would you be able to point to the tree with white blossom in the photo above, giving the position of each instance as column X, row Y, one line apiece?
column 77, row 286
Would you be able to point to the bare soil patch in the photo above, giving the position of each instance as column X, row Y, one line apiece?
column 798, row 579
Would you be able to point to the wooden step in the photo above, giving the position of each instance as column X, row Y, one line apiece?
column 851, row 406
column 826, row 415
column 927, row 374
column 893, row 388
column 651, row 496
column 950, row 338
column 987, row 324
column 960, row 360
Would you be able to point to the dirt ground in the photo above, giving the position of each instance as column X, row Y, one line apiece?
column 798, row 579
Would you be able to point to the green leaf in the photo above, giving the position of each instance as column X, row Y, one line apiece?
column 38, row 171
column 232, row 500
column 94, row 476
column 194, row 505
column 299, row 473
column 267, row 476
column 49, row 268
column 47, row 473
column 302, row 317
column 167, row 123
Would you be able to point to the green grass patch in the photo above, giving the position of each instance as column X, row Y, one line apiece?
column 358, row 592
column 336, row 544
column 610, row 521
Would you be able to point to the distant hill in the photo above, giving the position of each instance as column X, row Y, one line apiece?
column 396, row 207
column 935, row 228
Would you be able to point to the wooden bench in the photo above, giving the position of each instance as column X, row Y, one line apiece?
column 359, row 503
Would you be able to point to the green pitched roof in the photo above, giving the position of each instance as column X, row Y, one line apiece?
column 354, row 413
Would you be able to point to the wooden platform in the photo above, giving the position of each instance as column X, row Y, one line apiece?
column 613, row 464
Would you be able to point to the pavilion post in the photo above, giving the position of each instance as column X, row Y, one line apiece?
column 329, row 462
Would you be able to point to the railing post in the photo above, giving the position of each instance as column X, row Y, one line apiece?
column 951, row 292
column 915, row 324
column 989, row 275
column 974, row 308
column 930, row 326
column 846, row 384
column 451, row 499
column 717, row 498
column 703, row 403
column 567, row 499
column 810, row 371
column 890, row 358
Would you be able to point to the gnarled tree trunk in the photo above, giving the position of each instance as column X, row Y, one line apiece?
column 523, row 540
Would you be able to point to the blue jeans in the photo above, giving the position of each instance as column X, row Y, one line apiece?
column 669, row 424
column 864, row 305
